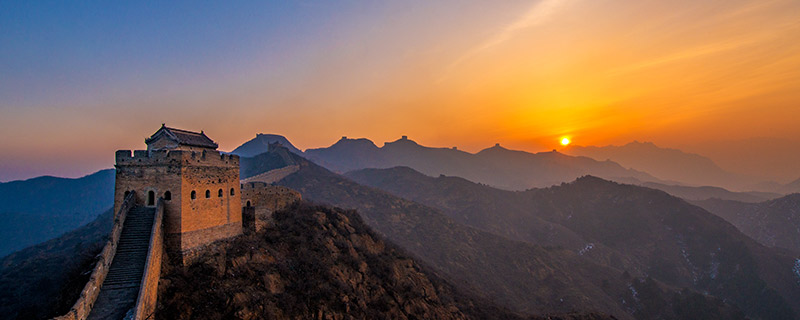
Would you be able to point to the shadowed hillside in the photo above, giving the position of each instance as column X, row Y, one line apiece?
column 314, row 262
column 45, row 280
column 640, row 230
column 252, row 166
column 43, row 208
column 525, row 277
column 774, row 223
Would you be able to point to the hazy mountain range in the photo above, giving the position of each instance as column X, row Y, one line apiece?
column 791, row 187
column 707, row 192
column 665, row 163
column 39, row 209
column 774, row 223
column 635, row 163
column 496, row 166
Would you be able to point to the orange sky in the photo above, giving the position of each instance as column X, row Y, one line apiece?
column 682, row 74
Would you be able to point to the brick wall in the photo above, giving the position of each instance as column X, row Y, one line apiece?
column 148, row 292
column 266, row 199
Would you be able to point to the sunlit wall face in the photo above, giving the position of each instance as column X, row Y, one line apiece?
column 83, row 80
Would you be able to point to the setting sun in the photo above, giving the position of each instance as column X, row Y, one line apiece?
column 565, row 141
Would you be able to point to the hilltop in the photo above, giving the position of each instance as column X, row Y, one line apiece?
column 260, row 144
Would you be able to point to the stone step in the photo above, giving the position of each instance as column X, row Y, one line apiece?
column 121, row 286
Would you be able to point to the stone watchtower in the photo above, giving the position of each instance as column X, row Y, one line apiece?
column 198, row 184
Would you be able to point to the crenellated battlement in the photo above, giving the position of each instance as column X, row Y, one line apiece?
column 176, row 157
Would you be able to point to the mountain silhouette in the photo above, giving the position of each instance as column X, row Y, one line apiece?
column 260, row 144
column 43, row 208
column 639, row 230
column 496, row 166
column 707, row 192
column 665, row 163
column 791, row 187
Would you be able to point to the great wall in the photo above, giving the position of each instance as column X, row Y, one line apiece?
column 171, row 202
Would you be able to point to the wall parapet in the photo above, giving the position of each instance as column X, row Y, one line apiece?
column 81, row 309
column 175, row 157
column 271, row 176
column 148, row 290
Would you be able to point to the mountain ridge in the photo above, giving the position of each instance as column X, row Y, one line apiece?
column 497, row 166
column 260, row 144
column 602, row 215
column 666, row 163
column 42, row 208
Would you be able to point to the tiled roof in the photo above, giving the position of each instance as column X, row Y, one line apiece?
column 184, row 137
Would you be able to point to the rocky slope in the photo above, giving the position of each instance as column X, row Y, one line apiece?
column 314, row 262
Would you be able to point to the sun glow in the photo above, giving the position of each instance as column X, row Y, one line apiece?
column 565, row 141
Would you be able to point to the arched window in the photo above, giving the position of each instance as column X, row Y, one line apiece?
column 167, row 195
column 248, row 203
column 194, row 194
column 208, row 194
column 219, row 193
column 232, row 192
column 151, row 198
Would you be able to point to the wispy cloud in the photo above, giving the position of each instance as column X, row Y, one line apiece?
column 690, row 53
column 769, row 31
column 707, row 49
column 538, row 14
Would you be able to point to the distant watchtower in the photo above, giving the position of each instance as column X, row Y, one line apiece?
column 199, row 186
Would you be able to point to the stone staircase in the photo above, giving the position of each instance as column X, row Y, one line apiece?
column 120, row 289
